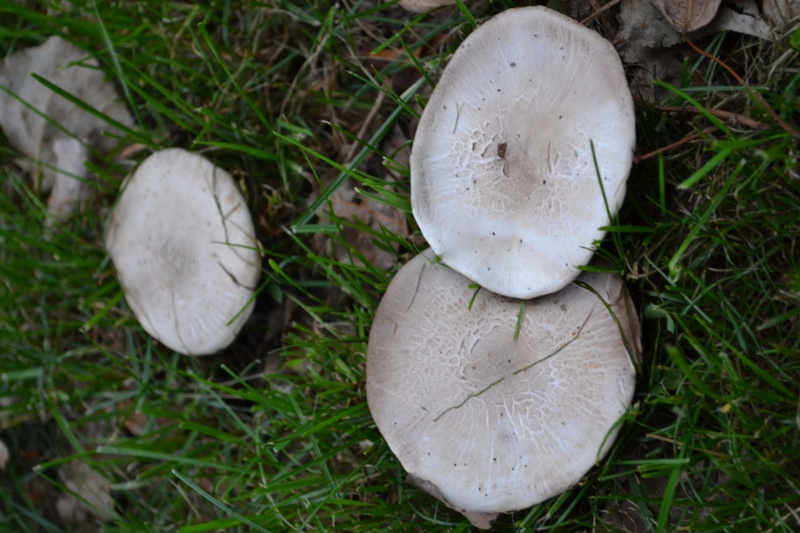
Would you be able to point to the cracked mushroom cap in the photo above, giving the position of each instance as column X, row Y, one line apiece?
column 182, row 242
column 485, row 423
column 503, row 183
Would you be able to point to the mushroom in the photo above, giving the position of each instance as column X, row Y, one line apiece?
column 503, row 181
column 182, row 241
column 486, row 421
column 55, row 134
column 421, row 6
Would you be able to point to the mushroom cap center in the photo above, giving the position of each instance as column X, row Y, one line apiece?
column 512, row 172
column 177, row 257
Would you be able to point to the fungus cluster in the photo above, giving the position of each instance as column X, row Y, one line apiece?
column 495, row 399
column 180, row 235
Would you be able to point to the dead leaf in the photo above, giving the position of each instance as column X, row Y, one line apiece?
column 136, row 424
column 69, row 184
column 390, row 54
column 688, row 15
column 90, row 494
column 643, row 26
column 745, row 19
column 4, row 456
column 378, row 216
column 56, row 135
column 133, row 420
column 651, row 42
column 373, row 214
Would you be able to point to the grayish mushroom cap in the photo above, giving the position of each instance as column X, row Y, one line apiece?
column 503, row 183
column 51, row 131
column 483, row 422
column 182, row 242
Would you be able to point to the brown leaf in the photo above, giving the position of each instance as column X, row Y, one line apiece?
column 688, row 15
column 744, row 19
column 643, row 26
column 136, row 423
column 4, row 456
column 373, row 214
column 93, row 489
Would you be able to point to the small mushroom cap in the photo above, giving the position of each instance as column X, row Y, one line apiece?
column 503, row 182
column 489, row 424
column 182, row 241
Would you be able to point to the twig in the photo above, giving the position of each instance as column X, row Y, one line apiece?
column 688, row 138
column 727, row 116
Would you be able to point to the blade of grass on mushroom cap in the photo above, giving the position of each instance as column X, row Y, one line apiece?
column 81, row 104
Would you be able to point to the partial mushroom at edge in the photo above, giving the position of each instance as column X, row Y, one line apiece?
column 55, row 134
column 183, row 244
column 486, row 423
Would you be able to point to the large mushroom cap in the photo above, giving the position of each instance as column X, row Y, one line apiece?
column 503, row 184
column 182, row 241
column 486, row 423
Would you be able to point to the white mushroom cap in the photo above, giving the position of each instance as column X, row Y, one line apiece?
column 65, row 146
column 483, row 422
column 688, row 15
column 182, row 241
column 503, row 184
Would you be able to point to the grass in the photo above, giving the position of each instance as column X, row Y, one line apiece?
column 274, row 433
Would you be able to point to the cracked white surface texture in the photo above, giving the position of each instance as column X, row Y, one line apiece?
column 182, row 242
column 496, row 424
column 503, row 184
